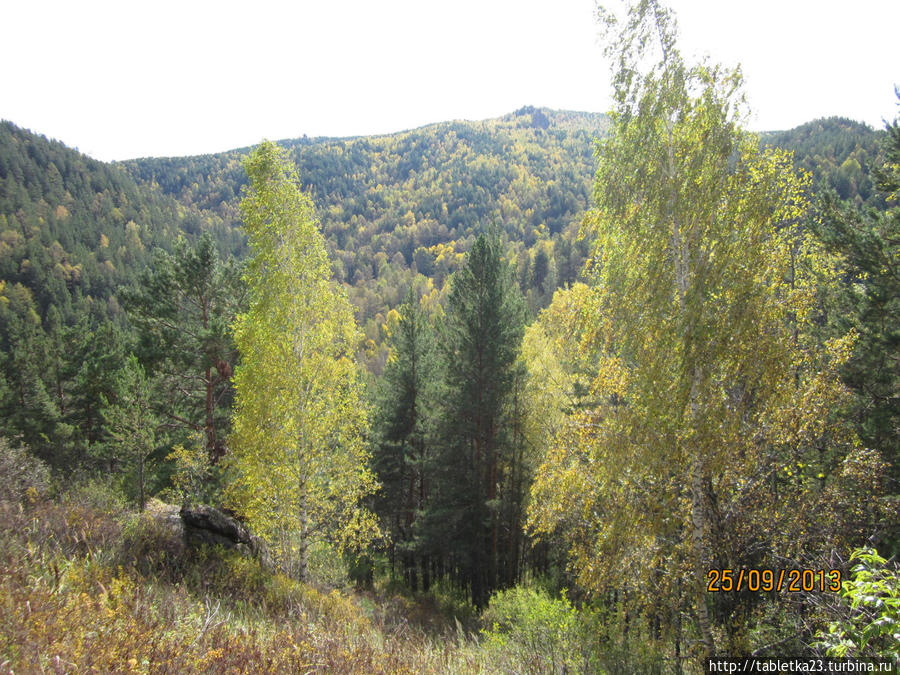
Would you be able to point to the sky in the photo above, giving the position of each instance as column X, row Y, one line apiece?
column 128, row 79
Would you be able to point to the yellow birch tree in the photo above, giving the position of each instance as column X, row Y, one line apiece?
column 299, row 463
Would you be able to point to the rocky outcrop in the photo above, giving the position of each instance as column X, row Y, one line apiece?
column 204, row 524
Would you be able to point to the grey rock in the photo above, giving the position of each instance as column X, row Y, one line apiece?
column 208, row 525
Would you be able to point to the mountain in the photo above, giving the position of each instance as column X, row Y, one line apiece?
column 73, row 229
column 839, row 154
column 397, row 209
column 400, row 203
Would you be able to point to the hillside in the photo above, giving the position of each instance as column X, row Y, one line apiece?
column 514, row 438
column 391, row 206
column 839, row 153
column 396, row 205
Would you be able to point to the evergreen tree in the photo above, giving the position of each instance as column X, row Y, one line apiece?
column 96, row 359
column 405, row 405
column 183, row 306
column 479, row 344
column 131, row 424
column 868, row 243
column 29, row 406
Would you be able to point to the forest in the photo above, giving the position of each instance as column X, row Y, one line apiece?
column 556, row 392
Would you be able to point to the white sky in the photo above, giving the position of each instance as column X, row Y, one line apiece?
column 125, row 79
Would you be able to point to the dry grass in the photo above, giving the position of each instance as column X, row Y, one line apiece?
column 69, row 604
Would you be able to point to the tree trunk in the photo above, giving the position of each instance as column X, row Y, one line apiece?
column 698, row 521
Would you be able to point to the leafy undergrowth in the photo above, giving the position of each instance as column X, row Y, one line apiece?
column 80, row 593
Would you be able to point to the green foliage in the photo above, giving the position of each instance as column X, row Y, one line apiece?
column 397, row 207
column 71, row 231
column 687, row 398
column 299, row 464
column 530, row 632
column 871, row 622
column 131, row 424
column 191, row 479
column 183, row 307
column 403, row 438
column 477, row 488
column 73, row 228
column 704, row 377
column 840, row 154
column 868, row 302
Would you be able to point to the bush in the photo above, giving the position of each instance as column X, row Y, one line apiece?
column 528, row 631
column 326, row 566
column 153, row 541
column 871, row 624
column 24, row 476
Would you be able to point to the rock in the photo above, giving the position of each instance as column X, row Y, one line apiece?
column 207, row 525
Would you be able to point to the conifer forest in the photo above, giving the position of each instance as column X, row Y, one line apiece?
column 553, row 392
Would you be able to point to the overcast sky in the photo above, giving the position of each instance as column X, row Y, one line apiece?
column 127, row 79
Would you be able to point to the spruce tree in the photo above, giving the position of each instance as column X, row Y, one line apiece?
column 403, row 416
column 479, row 344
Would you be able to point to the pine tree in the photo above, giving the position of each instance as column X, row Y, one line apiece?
column 404, row 411
column 299, row 461
column 479, row 344
column 183, row 306
column 869, row 245
column 131, row 426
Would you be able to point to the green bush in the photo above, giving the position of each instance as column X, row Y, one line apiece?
column 326, row 566
column 871, row 622
column 527, row 631
column 153, row 541
column 24, row 476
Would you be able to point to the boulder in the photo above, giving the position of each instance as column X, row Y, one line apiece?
column 204, row 524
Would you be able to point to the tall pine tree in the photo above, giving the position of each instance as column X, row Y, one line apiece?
column 403, row 447
column 183, row 306
column 479, row 344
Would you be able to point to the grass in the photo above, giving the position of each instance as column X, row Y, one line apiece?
column 81, row 592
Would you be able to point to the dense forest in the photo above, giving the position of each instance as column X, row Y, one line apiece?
column 554, row 392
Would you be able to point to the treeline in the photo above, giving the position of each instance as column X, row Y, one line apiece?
column 839, row 154
column 73, row 233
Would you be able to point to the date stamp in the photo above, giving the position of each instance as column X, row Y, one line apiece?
column 767, row 580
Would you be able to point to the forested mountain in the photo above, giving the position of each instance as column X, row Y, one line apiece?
column 389, row 205
column 840, row 155
column 397, row 210
column 74, row 229
column 412, row 202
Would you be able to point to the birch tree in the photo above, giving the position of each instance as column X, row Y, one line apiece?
column 702, row 382
column 299, row 462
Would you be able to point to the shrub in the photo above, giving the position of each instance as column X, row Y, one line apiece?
column 153, row 541
column 871, row 623
column 24, row 476
column 528, row 631
column 326, row 566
